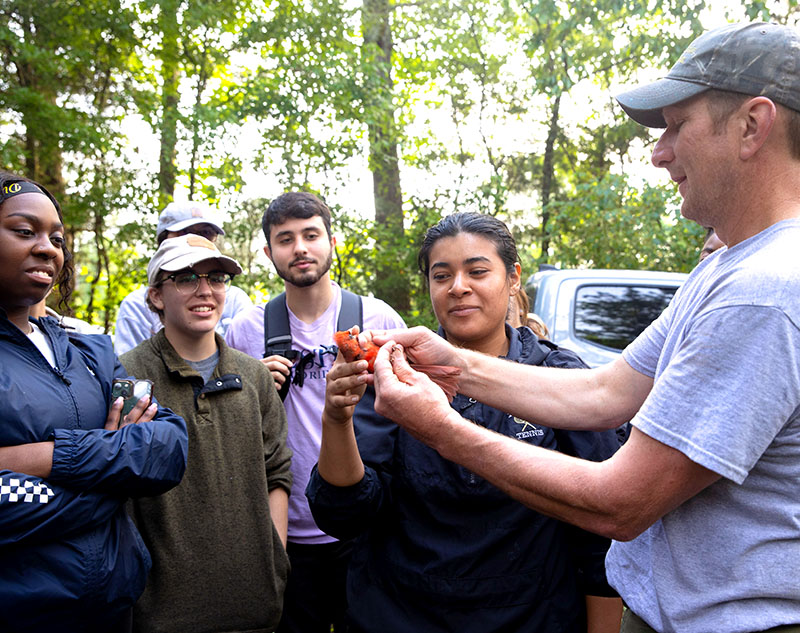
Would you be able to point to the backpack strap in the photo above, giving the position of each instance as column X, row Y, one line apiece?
column 351, row 312
column 277, row 335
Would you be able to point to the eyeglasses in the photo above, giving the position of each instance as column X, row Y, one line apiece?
column 188, row 283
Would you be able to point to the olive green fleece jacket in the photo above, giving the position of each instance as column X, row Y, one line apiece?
column 218, row 562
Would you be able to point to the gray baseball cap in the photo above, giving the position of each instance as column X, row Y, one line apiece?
column 757, row 59
column 179, row 215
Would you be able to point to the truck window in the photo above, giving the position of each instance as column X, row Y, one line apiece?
column 614, row 315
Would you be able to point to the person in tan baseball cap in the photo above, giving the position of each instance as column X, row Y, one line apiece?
column 223, row 532
column 185, row 252
column 135, row 321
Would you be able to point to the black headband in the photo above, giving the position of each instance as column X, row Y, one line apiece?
column 12, row 189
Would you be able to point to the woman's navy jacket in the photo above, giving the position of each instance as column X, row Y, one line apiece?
column 441, row 549
column 70, row 558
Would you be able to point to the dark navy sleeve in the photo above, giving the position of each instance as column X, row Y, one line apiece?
column 588, row 549
column 141, row 459
column 346, row 512
column 34, row 510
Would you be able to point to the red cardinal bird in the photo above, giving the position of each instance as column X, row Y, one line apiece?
column 347, row 342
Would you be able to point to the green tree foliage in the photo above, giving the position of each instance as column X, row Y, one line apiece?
column 601, row 42
column 302, row 95
column 299, row 90
column 57, row 82
column 609, row 224
column 188, row 50
column 62, row 98
column 781, row 11
column 244, row 241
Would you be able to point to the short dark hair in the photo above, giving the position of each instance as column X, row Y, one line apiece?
column 294, row 204
column 722, row 104
column 793, row 131
column 65, row 280
column 486, row 226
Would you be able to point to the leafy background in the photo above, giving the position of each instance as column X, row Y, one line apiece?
column 396, row 113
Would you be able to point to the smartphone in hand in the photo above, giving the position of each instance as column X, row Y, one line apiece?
column 131, row 391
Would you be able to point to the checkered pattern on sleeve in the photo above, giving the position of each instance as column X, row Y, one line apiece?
column 14, row 491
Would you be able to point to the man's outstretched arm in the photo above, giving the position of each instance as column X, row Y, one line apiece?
column 582, row 399
column 618, row 498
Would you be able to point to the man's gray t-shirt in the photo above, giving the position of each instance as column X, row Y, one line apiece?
column 725, row 358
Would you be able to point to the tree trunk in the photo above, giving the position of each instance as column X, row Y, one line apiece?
column 170, row 77
column 391, row 285
column 202, row 80
column 548, row 168
column 43, row 160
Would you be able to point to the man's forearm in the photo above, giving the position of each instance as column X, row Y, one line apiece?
column 549, row 482
column 618, row 498
column 34, row 459
column 603, row 615
column 578, row 399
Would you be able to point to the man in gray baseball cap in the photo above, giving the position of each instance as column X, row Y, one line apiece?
column 703, row 500
column 749, row 59
column 728, row 557
column 135, row 321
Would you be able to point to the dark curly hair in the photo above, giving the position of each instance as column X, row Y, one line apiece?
column 65, row 279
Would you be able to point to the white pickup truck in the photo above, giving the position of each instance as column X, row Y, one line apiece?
column 596, row 313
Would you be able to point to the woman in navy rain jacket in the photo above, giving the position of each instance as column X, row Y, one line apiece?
column 439, row 548
column 70, row 558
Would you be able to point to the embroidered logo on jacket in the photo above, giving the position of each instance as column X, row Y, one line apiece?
column 28, row 492
column 524, row 433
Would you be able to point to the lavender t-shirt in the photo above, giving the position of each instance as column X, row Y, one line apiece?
column 725, row 357
column 304, row 404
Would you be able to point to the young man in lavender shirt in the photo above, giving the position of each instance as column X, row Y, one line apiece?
column 297, row 227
